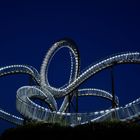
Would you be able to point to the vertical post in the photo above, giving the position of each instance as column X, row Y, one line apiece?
column 76, row 101
column 69, row 102
column 75, row 106
column 113, row 88
column 113, row 93
column 30, row 80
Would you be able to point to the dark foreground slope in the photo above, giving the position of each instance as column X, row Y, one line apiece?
column 109, row 130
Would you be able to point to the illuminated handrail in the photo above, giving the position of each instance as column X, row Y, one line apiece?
column 44, row 91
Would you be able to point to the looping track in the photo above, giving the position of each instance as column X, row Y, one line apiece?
column 44, row 91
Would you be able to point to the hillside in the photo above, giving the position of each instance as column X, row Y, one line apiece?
column 88, row 131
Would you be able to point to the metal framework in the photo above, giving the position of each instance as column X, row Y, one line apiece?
column 49, row 94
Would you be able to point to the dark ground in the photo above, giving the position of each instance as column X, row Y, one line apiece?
column 106, row 130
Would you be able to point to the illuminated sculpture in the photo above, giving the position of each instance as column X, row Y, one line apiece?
column 44, row 91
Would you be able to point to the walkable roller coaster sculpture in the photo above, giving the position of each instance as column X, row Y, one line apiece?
column 42, row 90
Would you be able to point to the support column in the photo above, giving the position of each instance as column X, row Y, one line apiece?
column 76, row 101
column 113, row 87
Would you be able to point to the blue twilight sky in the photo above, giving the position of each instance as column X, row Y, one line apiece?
column 100, row 28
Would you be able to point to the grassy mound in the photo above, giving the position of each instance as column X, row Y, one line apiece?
column 111, row 129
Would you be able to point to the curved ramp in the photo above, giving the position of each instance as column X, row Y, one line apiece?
column 43, row 91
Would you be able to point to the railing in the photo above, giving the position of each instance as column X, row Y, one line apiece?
column 36, row 112
column 11, row 118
